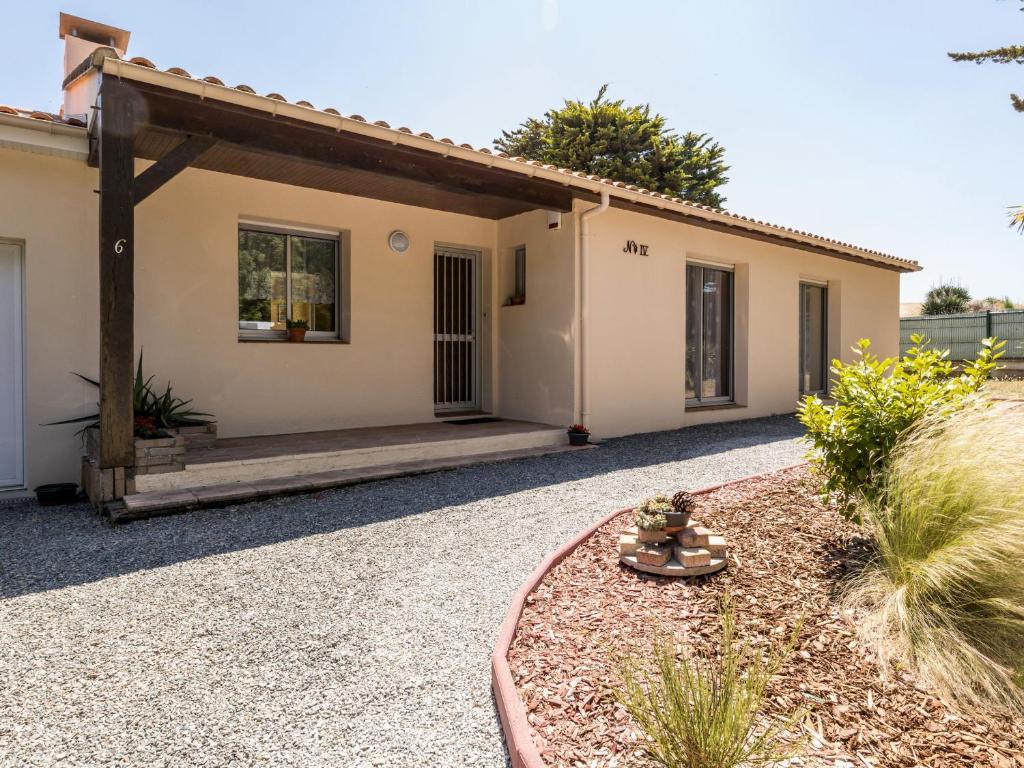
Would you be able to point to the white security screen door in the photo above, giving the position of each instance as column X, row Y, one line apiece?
column 456, row 321
column 11, row 408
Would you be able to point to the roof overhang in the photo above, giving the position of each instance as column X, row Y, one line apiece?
column 267, row 137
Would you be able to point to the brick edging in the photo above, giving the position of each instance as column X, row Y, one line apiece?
column 519, row 741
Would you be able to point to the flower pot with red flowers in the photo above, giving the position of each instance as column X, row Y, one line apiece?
column 578, row 434
column 297, row 330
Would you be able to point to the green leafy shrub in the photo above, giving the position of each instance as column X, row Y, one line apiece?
column 876, row 402
column 707, row 712
column 945, row 591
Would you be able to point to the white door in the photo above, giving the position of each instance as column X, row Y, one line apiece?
column 11, row 408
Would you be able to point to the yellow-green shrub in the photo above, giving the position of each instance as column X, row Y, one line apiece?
column 876, row 402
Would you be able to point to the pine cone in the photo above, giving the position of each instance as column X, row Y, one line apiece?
column 683, row 502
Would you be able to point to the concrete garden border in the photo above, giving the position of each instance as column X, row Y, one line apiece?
column 519, row 741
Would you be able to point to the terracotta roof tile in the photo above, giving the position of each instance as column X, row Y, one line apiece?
column 304, row 103
column 486, row 151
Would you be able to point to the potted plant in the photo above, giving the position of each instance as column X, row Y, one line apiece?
column 297, row 329
column 683, row 505
column 578, row 434
column 650, row 526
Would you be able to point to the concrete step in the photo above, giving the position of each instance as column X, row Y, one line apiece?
column 163, row 502
column 242, row 470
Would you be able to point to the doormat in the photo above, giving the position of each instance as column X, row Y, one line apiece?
column 477, row 420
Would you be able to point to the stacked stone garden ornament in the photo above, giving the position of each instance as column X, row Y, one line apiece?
column 665, row 543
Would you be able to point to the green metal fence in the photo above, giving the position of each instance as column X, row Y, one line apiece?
column 962, row 334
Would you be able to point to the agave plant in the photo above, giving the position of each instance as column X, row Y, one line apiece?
column 151, row 410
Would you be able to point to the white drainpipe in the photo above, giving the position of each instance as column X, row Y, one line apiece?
column 585, row 303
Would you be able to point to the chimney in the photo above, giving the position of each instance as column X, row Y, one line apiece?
column 81, row 37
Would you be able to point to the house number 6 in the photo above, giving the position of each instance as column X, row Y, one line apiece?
column 119, row 246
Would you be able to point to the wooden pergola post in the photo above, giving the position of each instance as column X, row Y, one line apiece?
column 116, row 138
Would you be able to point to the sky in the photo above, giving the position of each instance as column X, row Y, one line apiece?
column 845, row 119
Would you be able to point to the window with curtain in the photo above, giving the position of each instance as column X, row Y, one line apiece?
column 813, row 338
column 284, row 276
column 709, row 334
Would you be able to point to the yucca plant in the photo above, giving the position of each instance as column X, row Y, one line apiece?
column 945, row 590
column 708, row 711
column 163, row 410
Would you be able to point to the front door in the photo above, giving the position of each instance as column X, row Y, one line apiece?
column 11, row 421
column 456, row 324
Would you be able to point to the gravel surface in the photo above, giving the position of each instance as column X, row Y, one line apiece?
column 347, row 628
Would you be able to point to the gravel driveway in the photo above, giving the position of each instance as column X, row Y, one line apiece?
column 348, row 628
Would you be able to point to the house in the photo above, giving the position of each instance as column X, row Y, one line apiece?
column 436, row 279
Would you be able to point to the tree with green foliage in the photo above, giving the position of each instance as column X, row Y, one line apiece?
column 1009, row 54
column 946, row 299
column 624, row 143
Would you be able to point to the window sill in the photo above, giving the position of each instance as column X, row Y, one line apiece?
column 314, row 342
column 714, row 407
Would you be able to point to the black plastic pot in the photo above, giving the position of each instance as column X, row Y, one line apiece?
column 53, row 494
column 578, row 438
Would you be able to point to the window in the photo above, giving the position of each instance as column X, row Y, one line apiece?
column 284, row 275
column 520, row 291
column 709, row 337
column 813, row 338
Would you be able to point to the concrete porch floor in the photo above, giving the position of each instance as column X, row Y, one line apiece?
column 247, row 468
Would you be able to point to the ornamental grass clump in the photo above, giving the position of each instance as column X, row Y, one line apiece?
column 945, row 590
column 708, row 711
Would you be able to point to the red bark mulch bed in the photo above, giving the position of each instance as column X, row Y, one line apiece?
column 788, row 556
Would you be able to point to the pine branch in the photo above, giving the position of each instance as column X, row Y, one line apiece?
column 1017, row 101
column 1011, row 54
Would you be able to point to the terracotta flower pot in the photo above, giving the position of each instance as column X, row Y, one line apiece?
column 677, row 520
column 296, row 334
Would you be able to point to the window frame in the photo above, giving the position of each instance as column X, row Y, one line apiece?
column 699, row 401
column 334, row 236
column 824, row 339
column 519, row 272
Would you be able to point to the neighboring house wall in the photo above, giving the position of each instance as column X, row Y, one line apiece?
column 535, row 341
column 638, row 319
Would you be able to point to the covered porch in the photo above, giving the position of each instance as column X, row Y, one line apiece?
column 236, row 470
column 139, row 117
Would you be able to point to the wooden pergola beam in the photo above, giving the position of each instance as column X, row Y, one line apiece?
column 169, row 166
column 319, row 145
column 117, row 125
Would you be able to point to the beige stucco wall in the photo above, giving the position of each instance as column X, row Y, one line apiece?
column 637, row 320
column 186, row 311
column 535, row 339
column 186, row 293
column 48, row 204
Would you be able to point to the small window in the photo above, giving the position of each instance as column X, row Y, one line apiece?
column 282, row 276
column 520, row 274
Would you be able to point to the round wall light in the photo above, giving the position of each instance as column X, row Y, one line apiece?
column 398, row 241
